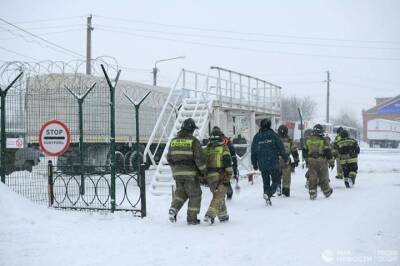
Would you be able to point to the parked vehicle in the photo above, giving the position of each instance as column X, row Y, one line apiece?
column 383, row 133
column 45, row 98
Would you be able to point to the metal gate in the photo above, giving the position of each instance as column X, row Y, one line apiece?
column 101, row 168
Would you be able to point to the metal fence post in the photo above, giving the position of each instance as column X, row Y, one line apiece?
column 137, row 107
column 142, row 174
column 80, row 99
column 3, row 144
column 50, row 187
column 112, row 132
column 3, row 137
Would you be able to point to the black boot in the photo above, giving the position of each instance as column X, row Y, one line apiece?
column 229, row 191
column 208, row 219
column 279, row 190
column 193, row 220
column 347, row 182
column 267, row 200
column 327, row 194
column 224, row 219
column 353, row 179
column 286, row 191
column 172, row 215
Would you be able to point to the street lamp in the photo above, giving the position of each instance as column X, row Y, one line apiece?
column 155, row 69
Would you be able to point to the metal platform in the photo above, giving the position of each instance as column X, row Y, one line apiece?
column 229, row 99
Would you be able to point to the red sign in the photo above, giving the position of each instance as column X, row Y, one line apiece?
column 54, row 138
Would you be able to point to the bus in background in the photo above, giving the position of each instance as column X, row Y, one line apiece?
column 294, row 130
column 353, row 132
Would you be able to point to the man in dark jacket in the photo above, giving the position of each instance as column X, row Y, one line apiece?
column 265, row 151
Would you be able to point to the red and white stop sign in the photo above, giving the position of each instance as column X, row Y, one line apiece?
column 54, row 138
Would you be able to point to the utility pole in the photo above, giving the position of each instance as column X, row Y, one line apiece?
column 89, row 30
column 155, row 70
column 328, row 80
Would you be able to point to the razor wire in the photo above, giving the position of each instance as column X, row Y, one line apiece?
column 43, row 94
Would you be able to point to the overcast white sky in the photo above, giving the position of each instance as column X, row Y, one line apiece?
column 288, row 42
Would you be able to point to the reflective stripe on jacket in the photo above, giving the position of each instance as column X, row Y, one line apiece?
column 219, row 163
column 348, row 150
column 185, row 156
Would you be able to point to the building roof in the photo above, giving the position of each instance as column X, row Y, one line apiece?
column 390, row 105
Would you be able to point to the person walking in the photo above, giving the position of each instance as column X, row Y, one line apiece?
column 265, row 151
column 348, row 150
column 186, row 158
column 318, row 155
column 286, row 169
column 219, row 173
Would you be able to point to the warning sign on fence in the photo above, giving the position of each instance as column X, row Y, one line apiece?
column 15, row 143
column 54, row 138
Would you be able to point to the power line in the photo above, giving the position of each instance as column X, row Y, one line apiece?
column 246, row 33
column 247, row 40
column 366, row 86
column 30, row 40
column 293, row 73
column 40, row 38
column 300, row 82
column 247, row 48
column 48, row 20
column 45, row 33
column 17, row 53
column 364, row 78
column 49, row 27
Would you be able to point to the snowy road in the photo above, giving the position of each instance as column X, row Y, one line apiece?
column 354, row 227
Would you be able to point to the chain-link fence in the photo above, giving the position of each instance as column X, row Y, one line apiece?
column 102, row 160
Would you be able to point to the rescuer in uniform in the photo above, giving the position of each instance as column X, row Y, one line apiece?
column 185, row 156
column 228, row 143
column 348, row 150
column 286, row 169
column 339, row 170
column 318, row 155
column 219, row 169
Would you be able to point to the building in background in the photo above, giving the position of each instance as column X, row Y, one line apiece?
column 380, row 117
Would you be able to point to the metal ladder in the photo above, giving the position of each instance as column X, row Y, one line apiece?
column 202, row 96
column 198, row 109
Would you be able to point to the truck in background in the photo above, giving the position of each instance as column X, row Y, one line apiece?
column 383, row 133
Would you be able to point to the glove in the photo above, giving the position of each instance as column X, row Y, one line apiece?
column 203, row 181
column 226, row 178
column 331, row 165
column 255, row 167
column 226, row 183
column 296, row 163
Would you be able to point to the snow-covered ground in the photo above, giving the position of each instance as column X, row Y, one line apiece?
column 359, row 226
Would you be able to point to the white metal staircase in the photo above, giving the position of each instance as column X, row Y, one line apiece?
column 199, row 110
column 201, row 97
